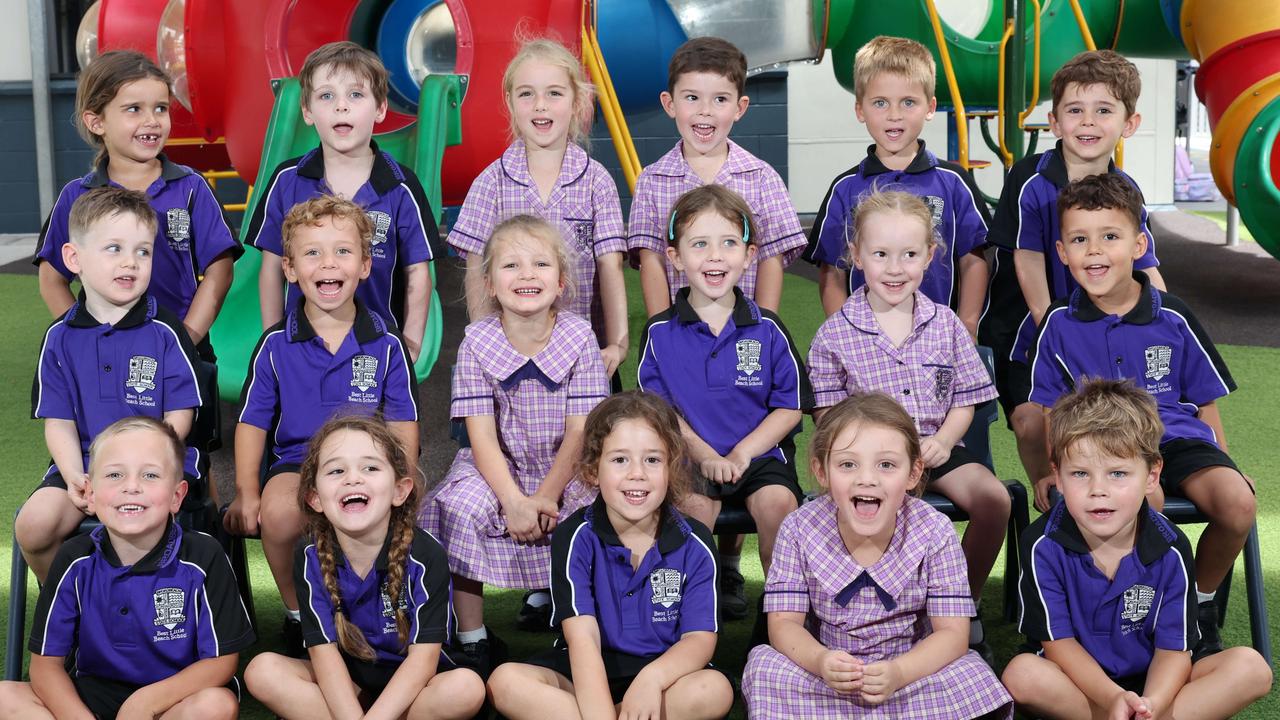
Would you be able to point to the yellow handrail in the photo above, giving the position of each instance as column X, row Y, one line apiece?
column 1006, row 157
column 1084, row 26
column 180, row 142
column 1035, row 68
column 962, row 121
column 614, row 118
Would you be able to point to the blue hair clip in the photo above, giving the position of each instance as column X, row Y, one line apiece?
column 746, row 229
column 671, row 228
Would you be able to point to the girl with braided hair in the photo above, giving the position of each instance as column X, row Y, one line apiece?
column 373, row 589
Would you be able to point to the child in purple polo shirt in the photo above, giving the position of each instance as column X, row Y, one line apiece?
column 344, row 93
column 330, row 354
column 1095, row 97
column 1115, row 324
column 374, row 591
column 730, row 368
column 893, row 82
column 706, row 80
column 149, row 612
column 526, row 377
column 883, row 576
column 634, row 583
column 546, row 173
column 115, row 353
column 889, row 337
column 1106, row 581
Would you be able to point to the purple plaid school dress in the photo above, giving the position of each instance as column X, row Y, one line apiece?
column 663, row 182
column 530, row 399
column 583, row 205
column 921, row 574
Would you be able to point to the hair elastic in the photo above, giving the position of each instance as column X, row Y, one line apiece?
column 746, row 229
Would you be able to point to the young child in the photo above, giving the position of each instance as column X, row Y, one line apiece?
column 546, row 173
column 1106, row 581
column 115, row 353
column 1116, row 325
column 706, row 82
column 893, row 83
column 888, row 336
column 891, row 642
column 344, row 93
column 634, row 583
column 1095, row 97
column 149, row 611
column 122, row 109
column 374, row 591
column 729, row 367
column 330, row 353
column 526, row 377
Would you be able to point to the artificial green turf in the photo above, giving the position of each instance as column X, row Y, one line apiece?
column 1248, row 416
column 1219, row 218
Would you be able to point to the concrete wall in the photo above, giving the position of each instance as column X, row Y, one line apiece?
column 19, row 197
column 15, row 49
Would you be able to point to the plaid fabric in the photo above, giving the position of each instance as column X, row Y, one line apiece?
column 935, row 369
column 583, row 204
column 922, row 572
column 530, row 399
column 464, row 513
column 663, row 182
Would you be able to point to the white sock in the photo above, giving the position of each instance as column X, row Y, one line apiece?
column 976, row 633
column 470, row 636
column 538, row 598
column 1204, row 597
column 730, row 562
column 293, row 614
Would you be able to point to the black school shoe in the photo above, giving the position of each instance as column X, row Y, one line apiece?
column 1210, row 637
column 482, row 655
column 533, row 619
column 733, row 595
column 292, row 632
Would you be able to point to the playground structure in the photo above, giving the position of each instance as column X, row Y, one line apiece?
column 233, row 64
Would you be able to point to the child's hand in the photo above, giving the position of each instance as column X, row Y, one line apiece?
column 523, row 519
column 1042, row 487
column 841, row 671
column 613, row 357
column 643, row 700
column 718, row 470
column 78, row 492
column 934, row 452
column 739, row 462
column 548, row 512
column 242, row 515
column 1130, row 706
column 880, row 681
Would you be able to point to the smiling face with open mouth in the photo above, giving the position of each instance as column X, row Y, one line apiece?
column 632, row 475
column 705, row 106
column 327, row 262
column 541, row 104
column 868, row 474
column 343, row 110
column 356, row 486
column 136, row 485
column 1090, row 121
column 1103, row 492
column 524, row 274
column 892, row 250
column 1099, row 247
column 895, row 110
column 135, row 124
column 712, row 253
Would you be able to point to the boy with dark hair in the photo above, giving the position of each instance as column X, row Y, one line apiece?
column 894, row 82
column 1095, row 97
column 115, row 353
column 1106, row 580
column 1115, row 324
column 344, row 94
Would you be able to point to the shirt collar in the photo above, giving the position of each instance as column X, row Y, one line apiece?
column 383, row 176
column 367, row 326
column 745, row 312
column 1152, row 539
column 1142, row 313
column 737, row 161
column 857, row 310
column 169, row 171
column 924, row 160
column 143, row 310
column 1054, row 166
column 671, row 533
column 157, row 557
column 552, row 363
column 515, row 164
column 885, row 574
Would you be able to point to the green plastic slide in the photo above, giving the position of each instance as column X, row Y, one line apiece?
column 419, row 146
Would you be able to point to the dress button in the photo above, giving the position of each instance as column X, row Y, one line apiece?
column 1119, row 361
column 715, row 353
column 124, row 610
column 106, row 368
column 633, row 592
column 906, row 391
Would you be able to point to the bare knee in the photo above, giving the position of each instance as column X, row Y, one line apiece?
column 39, row 525
column 703, row 694
column 281, row 519
column 457, row 693
column 1248, row 668
column 771, row 504
column 209, row 704
column 1028, row 421
column 1226, row 497
column 262, row 675
column 17, row 700
column 1024, row 677
column 506, row 681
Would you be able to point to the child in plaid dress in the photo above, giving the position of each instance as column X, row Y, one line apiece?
column 526, row 377
column 882, row 574
column 545, row 173
column 889, row 337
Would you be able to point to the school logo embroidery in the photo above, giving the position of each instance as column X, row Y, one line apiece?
column 178, row 221
column 170, row 603
column 142, row 373
column 1137, row 602
column 381, row 225
column 943, row 377
column 585, row 233
column 748, row 356
column 1158, row 358
column 665, row 583
column 935, row 204
column 387, row 610
column 364, row 371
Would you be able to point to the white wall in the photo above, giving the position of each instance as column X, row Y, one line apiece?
column 15, row 50
column 826, row 138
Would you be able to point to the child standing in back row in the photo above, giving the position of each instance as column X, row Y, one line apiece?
column 546, row 173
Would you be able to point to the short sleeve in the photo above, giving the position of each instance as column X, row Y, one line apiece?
column 431, row 595
column 51, row 395
column 224, row 626
column 1050, row 379
column 417, row 235
column 261, row 395
column 611, row 236
column 970, row 215
column 400, row 394
column 699, row 601
column 646, row 226
column 1205, row 376
column 790, row 389
column 54, row 234
column 1042, row 588
column 829, row 236
column 56, row 623
column 181, row 389
column 472, row 392
column 781, row 231
column 212, row 236
column 786, row 589
column 572, row 567
column 479, row 213
column 827, row 375
column 268, row 215
column 315, row 605
column 648, row 374
column 946, row 577
column 973, row 384
column 587, row 383
column 1032, row 233
column 1177, row 626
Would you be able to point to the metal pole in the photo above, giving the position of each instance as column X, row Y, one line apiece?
column 37, row 27
column 1015, row 87
column 1233, row 226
